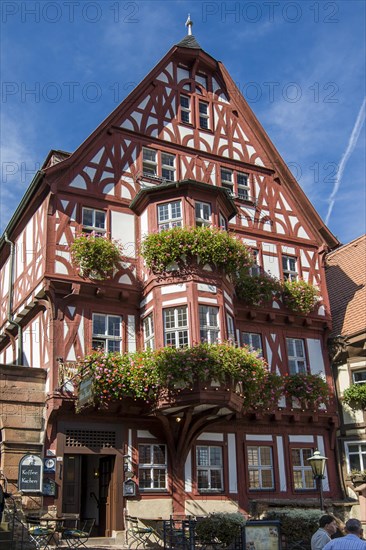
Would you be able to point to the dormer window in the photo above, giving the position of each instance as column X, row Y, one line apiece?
column 93, row 220
column 203, row 213
column 185, row 109
column 169, row 215
column 149, row 162
column 204, row 115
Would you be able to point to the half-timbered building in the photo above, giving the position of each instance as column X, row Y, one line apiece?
column 183, row 149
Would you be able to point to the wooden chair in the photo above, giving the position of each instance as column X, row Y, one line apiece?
column 76, row 536
column 137, row 534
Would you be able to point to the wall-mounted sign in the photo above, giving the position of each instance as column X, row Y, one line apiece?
column 30, row 474
column 262, row 535
column 129, row 488
column 49, row 465
column 49, row 487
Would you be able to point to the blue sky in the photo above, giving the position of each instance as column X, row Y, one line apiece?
column 300, row 64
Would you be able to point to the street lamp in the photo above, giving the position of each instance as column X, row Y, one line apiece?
column 317, row 463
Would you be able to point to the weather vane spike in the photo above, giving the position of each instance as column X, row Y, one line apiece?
column 189, row 24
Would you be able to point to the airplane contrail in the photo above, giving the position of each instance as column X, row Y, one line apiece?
column 351, row 145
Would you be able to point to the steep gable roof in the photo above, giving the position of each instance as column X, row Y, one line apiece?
column 346, row 281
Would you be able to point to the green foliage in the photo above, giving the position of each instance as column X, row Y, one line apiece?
column 142, row 374
column 355, row 396
column 219, row 528
column 95, row 255
column 181, row 245
column 310, row 389
column 296, row 523
column 299, row 296
column 256, row 290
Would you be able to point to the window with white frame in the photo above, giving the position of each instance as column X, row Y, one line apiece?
column 296, row 355
column 356, row 456
column 222, row 222
column 176, row 326
column 260, row 467
column 359, row 376
column 255, row 269
column 289, row 268
column 152, row 466
column 243, row 186
column 93, row 220
column 168, row 166
column 185, row 109
column 230, row 328
column 227, row 179
column 149, row 162
column 253, row 340
column 149, row 339
column 209, row 466
column 301, row 469
column 204, row 121
column 169, row 215
column 209, row 324
column 107, row 332
column 203, row 213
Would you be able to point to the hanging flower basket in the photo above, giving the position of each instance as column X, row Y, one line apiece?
column 310, row 389
column 355, row 397
column 300, row 296
column 95, row 256
column 256, row 290
column 180, row 246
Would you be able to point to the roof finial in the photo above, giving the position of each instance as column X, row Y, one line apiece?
column 189, row 24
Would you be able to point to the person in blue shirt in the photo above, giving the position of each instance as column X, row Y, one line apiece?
column 327, row 528
column 352, row 540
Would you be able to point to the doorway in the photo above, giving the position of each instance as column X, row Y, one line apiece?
column 87, row 489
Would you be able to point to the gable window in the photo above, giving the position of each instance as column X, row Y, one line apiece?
column 168, row 166
column 209, row 324
column 203, row 213
column 253, row 341
column 359, row 377
column 302, row 472
column 149, row 162
column 149, row 340
column 203, row 115
column 169, row 215
column 255, row 269
column 176, row 327
column 209, row 468
column 93, row 220
column 296, row 355
column 202, row 79
column 152, row 467
column 243, row 186
column 107, row 332
column 230, row 328
column 260, row 467
column 289, row 268
column 356, row 456
column 227, row 180
column 185, row 109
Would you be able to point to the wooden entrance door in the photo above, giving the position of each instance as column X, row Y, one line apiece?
column 106, row 465
column 71, row 484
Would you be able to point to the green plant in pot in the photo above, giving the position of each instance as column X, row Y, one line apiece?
column 95, row 256
column 355, row 397
column 257, row 289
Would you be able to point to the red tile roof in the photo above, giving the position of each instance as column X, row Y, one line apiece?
column 346, row 280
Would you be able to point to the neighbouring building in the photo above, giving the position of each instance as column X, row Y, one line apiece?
column 346, row 280
column 183, row 149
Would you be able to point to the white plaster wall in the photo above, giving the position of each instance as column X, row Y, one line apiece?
column 123, row 230
column 202, row 506
column 271, row 265
column 315, row 356
column 349, row 416
column 188, row 473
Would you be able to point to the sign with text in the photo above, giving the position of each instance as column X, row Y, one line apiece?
column 30, row 474
column 85, row 396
